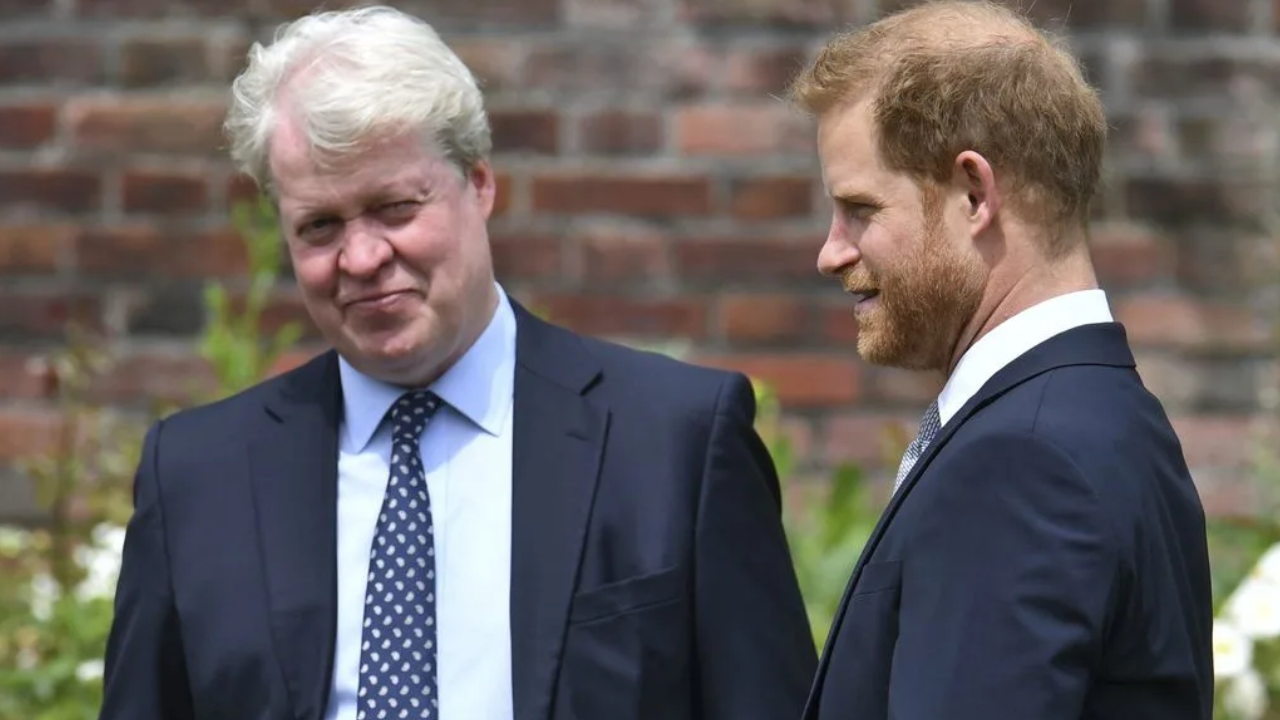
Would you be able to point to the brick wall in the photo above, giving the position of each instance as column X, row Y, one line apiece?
column 651, row 188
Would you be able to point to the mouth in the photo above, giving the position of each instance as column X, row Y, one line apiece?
column 377, row 300
column 862, row 296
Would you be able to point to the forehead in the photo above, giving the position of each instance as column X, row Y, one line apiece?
column 390, row 164
column 846, row 149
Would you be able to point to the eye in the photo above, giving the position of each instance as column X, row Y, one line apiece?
column 316, row 226
column 855, row 209
column 399, row 211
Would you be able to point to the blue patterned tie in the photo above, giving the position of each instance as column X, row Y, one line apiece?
column 929, row 426
column 398, row 652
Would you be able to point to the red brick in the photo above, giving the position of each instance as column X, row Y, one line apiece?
column 766, row 71
column 519, row 255
column 618, row 132
column 27, row 433
column 532, row 131
column 613, row 256
column 800, row 380
column 755, row 318
column 614, row 14
column 161, row 61
column 570, row 66
column 142, row 375
column 449, row 15
column 1178, row 321
column 150, row 251
column 46, row 61
column 45, row 313
column 771, row 198
column 147, row 191
column 838, row 324
column 494, row 62
column 1211, row 440
column 654, row 195
column 27, row 126
column 160, row 8
column 872, row 439
column 241, row 189
column 1072, row 14
column 504, row 194
column 897, row 387
column 617, row 316
column 125, row 125
column 736, row 129
column 14, row 9
column 1209, row 15
column 22, row 376
column 763, row 260
column 811, row 13
column 1128, row 256
column 34, row 248
column 50, row 190
column 284, row 306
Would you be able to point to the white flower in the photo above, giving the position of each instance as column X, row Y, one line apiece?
column 1254, row 608
column 1232, row 650
column 101, row 561
column 1268, row 566
column 89, row 671
column 1245, row 697
column 13, row 540
column 44, row 593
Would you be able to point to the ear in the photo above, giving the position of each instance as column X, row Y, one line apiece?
column 973, row 175
column 480, row 178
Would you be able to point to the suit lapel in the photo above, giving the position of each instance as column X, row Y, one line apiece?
column 294, row 468
column 557, row 447
column 1099, row 344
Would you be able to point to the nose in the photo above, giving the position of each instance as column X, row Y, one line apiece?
column 838, row 252
column 364, row 250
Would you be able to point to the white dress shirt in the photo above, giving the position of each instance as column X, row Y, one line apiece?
column 466, row 451
column 1014, row 337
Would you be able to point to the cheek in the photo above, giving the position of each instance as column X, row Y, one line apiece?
column 314, row 268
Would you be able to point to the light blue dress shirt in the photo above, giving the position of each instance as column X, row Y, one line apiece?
column 466, row 451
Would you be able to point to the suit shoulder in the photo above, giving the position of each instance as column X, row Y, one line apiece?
column 231, row 413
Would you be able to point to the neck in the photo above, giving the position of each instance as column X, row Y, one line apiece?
column 1015, row 288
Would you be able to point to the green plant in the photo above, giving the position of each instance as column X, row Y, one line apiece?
column 827, row 523
column 57, row 580
column 234, row 341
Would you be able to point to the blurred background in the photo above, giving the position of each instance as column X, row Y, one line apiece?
column 653, row 189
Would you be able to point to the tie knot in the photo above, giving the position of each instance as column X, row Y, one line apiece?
column 410, row 413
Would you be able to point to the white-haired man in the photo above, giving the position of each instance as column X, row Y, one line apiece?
column 460, row 511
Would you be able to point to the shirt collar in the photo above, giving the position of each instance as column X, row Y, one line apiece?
column 1015, row 336
column 479, row 386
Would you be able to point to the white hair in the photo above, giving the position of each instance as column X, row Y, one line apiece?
column 351, row 76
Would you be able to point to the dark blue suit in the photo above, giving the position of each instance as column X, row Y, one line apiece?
column 1045, row 560
column 650, row 575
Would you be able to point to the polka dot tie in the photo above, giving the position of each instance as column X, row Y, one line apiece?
column 398, row 649
column 929, row 426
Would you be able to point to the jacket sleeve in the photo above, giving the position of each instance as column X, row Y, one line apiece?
column 1007, row 588
column 756, row 653
column 145, row 674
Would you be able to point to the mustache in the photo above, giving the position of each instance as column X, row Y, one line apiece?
column 859, row 280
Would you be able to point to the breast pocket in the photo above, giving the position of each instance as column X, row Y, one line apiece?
column 627, row 648
column 631, row 594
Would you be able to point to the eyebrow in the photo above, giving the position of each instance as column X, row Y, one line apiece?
column 857, row 197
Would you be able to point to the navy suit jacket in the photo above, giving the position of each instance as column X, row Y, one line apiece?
column 1045, row 560
column 650, row 574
